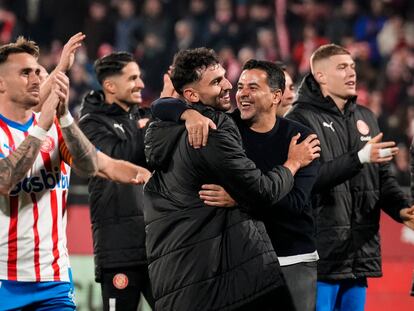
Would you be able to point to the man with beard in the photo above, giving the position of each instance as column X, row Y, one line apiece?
column 354, row 183
column 289, row 223
column 36, row 155
column 109, row 118
column 201, row 257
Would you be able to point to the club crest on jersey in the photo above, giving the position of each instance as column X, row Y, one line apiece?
column 47, row 145
column 120, row 281
column 362, row 127
column 45, row 180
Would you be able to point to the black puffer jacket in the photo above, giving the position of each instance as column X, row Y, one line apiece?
column 116, row 209
column 349, row 195
column 200, row 257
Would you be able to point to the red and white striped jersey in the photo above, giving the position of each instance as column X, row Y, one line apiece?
column 33, row 216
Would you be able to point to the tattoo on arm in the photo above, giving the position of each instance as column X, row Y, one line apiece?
column 83, row 152
column 18, row 163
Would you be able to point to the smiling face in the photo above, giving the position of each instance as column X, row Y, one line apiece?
column 212, row 89
column 126, row 87
column 19, row 79
column 337, row 77
column 255, row 99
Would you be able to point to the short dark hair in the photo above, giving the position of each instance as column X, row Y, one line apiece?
column 111, row 64
column 275, row 75
column 189, row 64
column 328, row 50
column 22, row 45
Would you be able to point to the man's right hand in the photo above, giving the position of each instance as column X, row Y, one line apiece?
column 302, row 154
column 168, row 89
column 48, row 111
column 197, row 127
column 67, row 57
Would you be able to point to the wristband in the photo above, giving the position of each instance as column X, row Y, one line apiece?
column 386, row 152
column 38, row 132
column 66, row 120
column 364, row 154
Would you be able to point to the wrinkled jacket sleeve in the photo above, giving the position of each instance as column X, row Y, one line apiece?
column 336, row 171
column 168, row 109
column 238, row 174
column 298, row 198
column 392, row 198
column 106, row 140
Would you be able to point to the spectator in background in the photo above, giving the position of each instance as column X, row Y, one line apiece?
column 153, row 20
column 368, row 26
column 199, row 17
column 99, row 28
column 289, row 94
column 304, row 49
column 342, row 22
column 125, row 26
column 80, row 84
column 266, row 45
column 230, row 63
column 223, row 28
column 185, row 38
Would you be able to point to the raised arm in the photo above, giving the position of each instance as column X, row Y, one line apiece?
column 84, row 154
column 67, row 57
column 15, row 166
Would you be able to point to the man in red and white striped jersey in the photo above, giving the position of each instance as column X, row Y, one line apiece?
column 36, row 153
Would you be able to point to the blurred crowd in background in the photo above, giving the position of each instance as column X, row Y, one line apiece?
column 379, row 34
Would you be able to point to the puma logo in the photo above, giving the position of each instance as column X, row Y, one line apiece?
column 119, row 126
column 330, row 125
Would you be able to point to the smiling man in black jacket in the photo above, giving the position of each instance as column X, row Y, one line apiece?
column 290, row 223
column 354, row 182
column 109, row 118
column 201, row 257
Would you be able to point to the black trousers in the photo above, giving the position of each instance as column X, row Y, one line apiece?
column 301, row 281
column 121, row 288
column 276, row 300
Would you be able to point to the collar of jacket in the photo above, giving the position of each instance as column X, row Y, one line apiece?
column 309, row 93
column 94, row 102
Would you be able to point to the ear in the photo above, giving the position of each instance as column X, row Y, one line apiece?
column 109, row 86
column 191, row 95
column 2, row 85
column 320, row 77
column 277, row 97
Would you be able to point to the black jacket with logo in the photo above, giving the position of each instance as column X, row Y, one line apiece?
column 202, row 257
column 116, row 209
column 349, row 196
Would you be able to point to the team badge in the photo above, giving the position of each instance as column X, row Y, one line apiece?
column 362, row 127
column 120, row 281
column 47, row 145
